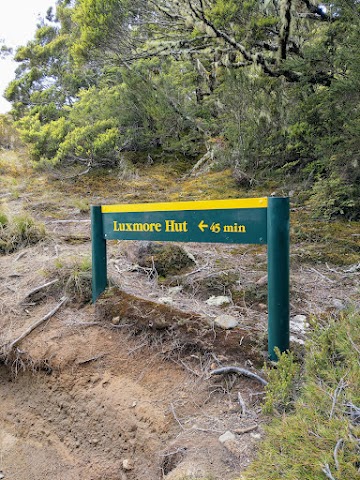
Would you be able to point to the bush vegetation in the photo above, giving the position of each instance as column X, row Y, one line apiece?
column 268, row 89
column 316, row 433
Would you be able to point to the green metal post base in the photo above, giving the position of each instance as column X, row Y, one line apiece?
column 278, row 275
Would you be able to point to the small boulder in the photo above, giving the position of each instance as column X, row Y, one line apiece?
column 127, row 464
column 226, row 437
column 298, row 324
column 338, row 304
column 218, row 301
column 115, row 320
column 226, row 321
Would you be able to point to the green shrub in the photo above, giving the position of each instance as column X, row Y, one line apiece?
column 283, row 381
column 322, row 433
column 332, row 197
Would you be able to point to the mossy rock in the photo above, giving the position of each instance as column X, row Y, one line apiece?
column 214, row 284
column 250, row 295
column 167, row 259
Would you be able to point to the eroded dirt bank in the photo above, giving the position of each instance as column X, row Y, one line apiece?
column 115, row 408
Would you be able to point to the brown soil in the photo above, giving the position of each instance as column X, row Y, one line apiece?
column 95, row 401
column 87, row 397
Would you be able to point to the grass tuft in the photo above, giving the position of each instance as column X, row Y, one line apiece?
column 19, row 232
column 74, row 279
column 3, row 219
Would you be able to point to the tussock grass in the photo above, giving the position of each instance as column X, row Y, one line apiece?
column 320, row 438
column 3, row 219
column 18, row 232
column 82, row 204
column 74, row 276
column 10, row 165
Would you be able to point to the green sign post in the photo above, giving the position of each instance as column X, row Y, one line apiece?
column 250, row 220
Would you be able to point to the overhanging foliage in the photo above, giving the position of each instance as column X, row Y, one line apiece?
column 273, row 84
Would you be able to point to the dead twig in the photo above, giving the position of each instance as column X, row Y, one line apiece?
column 338, row 389
column 151, row 272
column 326, row 470
column 242, row 404
column 75, row 175
column 205, row 430
column 332, row 269
column 239, row 371
column 11, row 345
column 336, row 449
column 174, row 452
column 172, row 409
column 74, row 238
column 355, row 347
column 354, row 268
column 240, row 431
column 204, row 267
column 354, row 413
column 20, row 256
column 92, row 359
column 322, row 276
column 187, row 367
column 38, row 289
column 100, row 324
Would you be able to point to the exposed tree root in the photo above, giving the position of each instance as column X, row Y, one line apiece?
column 240, row 371
column 7, row 347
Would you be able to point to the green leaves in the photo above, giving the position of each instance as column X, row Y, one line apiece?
column 105, row 27
column 306, row 441
column 91, row 143
column 283, row 382
column 279, row 81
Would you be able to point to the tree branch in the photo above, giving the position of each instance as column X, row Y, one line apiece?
column 326, row 470
column 253, row 58
column 38, row 289
column 285, row 14
column 316, row 10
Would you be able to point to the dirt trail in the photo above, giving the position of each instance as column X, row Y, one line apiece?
column 99, row 401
